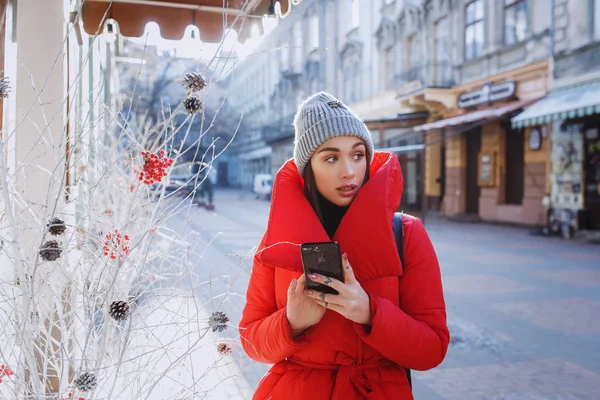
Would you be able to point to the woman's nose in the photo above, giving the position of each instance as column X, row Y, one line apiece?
column 347, row 170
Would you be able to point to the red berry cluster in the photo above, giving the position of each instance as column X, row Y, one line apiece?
column 71, row 396
column 115, row 243
column 154, row 167
column 4, row 371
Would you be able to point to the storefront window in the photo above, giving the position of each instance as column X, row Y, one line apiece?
column 515, row 21
column 474, row 28
column 567, row 159
column 592, row 174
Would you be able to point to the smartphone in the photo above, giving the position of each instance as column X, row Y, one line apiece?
column 322, row 258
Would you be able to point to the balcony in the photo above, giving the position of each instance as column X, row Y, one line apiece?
column 428, row 75
column 282, row 128
column 425, row 87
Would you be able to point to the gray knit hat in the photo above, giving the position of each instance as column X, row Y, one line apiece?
column 320, row 118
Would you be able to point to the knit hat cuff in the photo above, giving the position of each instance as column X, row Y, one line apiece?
column 327, row 128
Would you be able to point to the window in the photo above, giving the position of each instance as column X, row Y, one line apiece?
column 596, row 19
column 284, row 56
column 474, row 30
column 442, row 36
column 297, row 50
column 442, row 52
column 356, row 79
column 347, row 85
column 314, row 33
column 413, row 58
column 515, row 21
column 312, row 74
column 355, row 14
column 389, row 66
column 352, row 77
column 313, row 85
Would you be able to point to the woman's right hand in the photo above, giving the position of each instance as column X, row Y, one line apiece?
column 302, row 312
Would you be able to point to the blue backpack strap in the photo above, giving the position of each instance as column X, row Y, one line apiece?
column 399, row 235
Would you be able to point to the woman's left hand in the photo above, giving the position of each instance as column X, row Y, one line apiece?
column 352, row 301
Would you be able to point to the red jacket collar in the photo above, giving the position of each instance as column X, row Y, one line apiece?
column 365, row 232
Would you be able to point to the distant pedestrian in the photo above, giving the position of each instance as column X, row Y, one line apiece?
column 386, row 317
column 205, row 187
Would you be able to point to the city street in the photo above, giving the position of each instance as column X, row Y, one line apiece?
column 523, row 311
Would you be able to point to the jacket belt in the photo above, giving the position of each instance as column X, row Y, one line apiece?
column 348, row 379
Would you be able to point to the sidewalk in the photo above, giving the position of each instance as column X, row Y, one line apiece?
column 174, row 348
column 171, row 342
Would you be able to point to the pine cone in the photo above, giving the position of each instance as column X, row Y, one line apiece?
column 56, row 226
column 193, row 104
column 194, row 81
column 50, row 251
column 224, row 348
column 86, row 382
column 218, row 321
column 119, row 310
column 4, row 87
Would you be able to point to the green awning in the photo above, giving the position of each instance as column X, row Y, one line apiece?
column 571, row 102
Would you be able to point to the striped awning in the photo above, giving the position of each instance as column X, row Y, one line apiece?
column 487, row 114
column 211, row 17
column 570, row 102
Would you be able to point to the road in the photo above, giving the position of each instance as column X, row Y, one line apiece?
column 523, row 311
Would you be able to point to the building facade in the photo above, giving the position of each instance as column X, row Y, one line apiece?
column 472, row 65
column 312, row 49
column 439, row 82
column 569, row 117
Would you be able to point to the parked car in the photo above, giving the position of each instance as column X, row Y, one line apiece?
column 263, row 185
column 180, row 181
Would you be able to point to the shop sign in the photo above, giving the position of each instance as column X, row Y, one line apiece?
column 487, row 94
column 535, row 139
column 487, row 169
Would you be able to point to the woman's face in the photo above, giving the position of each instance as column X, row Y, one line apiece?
column 339, row 166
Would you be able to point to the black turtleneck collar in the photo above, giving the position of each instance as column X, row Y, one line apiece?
column 332, row 215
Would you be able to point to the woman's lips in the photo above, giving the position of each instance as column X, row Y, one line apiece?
column 347, row 190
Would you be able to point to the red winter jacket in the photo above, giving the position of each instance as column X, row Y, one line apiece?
column 337, row 358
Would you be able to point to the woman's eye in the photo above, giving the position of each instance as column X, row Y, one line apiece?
column 331, row 159
column 358, row 156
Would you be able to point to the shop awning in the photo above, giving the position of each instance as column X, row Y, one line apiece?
column 403, row 149
column 571, row 102
column 174, row 16
column 481, row 116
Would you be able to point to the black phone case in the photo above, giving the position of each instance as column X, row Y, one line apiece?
column 322, row 258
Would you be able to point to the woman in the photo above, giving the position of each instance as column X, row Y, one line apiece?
column 386, row 317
